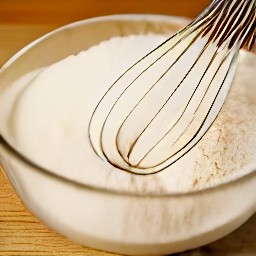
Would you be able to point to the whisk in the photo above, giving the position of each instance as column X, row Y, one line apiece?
column 162, row 106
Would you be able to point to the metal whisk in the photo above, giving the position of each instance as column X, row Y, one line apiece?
column 162, row 106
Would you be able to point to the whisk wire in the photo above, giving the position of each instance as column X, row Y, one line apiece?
column 160, row 107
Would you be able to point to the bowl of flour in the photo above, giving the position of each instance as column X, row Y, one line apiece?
column 48, row 92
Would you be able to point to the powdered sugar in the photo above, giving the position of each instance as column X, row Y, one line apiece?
column 50, row 118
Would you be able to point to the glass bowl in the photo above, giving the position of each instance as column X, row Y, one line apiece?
column 117, row 221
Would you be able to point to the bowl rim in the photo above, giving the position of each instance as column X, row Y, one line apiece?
column 114, row 17
column 15, row 153
column 97, row 189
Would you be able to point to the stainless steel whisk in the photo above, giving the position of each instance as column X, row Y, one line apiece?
column 162, row 106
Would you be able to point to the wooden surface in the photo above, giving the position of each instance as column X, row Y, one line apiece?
column 22, row 21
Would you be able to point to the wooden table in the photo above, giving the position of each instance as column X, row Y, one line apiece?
column 20, row 23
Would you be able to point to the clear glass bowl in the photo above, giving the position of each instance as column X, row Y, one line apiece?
column 122, row 222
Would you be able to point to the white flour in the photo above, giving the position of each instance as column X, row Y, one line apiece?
column 50, row 116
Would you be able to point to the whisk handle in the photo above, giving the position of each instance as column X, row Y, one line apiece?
column 230, row 21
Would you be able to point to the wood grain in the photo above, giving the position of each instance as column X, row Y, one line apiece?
column 22, row 22
column 59, row 11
